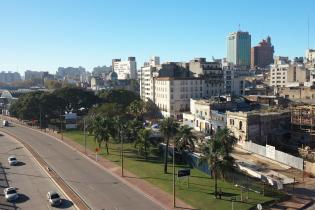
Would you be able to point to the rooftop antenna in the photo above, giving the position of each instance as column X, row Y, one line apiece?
column 239, row 27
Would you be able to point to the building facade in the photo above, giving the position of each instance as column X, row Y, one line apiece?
column 262, row 55
column 8, row 77
column 258, row 126
column 125, row 69
column 279, row 72
column 145, row 77
column 239, row 48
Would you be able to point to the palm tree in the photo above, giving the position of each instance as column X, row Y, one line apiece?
column 186, row 139
column 217, row 152
column 169, row 129
column 102, row 128
column 133, row 128
column 143, row 141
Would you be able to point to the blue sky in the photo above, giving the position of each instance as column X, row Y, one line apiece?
column 46, row 34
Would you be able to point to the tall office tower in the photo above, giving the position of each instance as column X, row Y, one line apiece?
column 238, row 48
column 262, row 55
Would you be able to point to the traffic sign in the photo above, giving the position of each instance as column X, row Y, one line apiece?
column 183, row 172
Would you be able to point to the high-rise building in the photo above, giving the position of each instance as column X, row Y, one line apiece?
column 262, row 55
column 9, row 76
column 238, row 48
column 125, row 69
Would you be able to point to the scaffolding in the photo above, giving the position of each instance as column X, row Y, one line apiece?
column 303, row 119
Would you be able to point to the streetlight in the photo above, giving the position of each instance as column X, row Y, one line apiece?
column 61, row 126
column 174, row 198
column 122, row 151
column 84, row 129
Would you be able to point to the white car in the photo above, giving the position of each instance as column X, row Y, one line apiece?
column 12, row 160
column 5, row 123
column 10, row 194
column 53, row 198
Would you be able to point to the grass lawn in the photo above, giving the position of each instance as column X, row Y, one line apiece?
column 201, row 186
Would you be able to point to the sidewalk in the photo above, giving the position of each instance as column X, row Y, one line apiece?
column 147, row 189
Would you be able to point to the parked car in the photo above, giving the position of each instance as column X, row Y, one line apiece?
column 12, row 160
column 5, row 123
column 10, row 194
column 53, row 198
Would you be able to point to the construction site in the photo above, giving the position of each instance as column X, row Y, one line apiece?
column 303, row 125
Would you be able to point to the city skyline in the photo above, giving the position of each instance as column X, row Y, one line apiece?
column 43, row 36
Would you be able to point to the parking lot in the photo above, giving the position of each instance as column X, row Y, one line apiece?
column 31, row 181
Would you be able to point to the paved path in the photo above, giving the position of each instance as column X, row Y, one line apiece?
column 99, row 188
column 32, row 182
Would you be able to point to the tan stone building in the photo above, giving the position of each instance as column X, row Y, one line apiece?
column 300, row 93
column 259, row 126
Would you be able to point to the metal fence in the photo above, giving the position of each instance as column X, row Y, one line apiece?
column 271, row 153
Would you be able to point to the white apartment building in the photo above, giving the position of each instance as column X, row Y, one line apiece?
column 146, row 76
column 203, row 116
column 172, row 95
column 310, row 56
column 234, row 79
column 279, row 72
column 125, row 69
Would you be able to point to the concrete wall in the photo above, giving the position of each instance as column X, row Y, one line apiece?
column 276, row 155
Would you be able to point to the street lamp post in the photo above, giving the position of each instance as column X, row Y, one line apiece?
column 40, row 118
column 84, row 127
column 174, row 198
column 61, row 126
column 122, row 151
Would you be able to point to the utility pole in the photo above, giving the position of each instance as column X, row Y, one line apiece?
column 84, row 134
column 40, row 117
column 174, row 193
column 122, row 149
column 61, row 126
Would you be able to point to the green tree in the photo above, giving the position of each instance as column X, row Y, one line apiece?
column 102, row 129
column 143, row 142
column 186, row 139
column 52, row 84
column 120, row 96
column 169, row 129
column 137, row 109
column 132, row 128
column 217, row 152
column 76, row 98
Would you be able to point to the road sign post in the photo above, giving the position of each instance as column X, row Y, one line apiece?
column 183, row 173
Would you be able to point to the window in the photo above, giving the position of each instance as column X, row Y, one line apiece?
column 231, row 122
column 240, row 125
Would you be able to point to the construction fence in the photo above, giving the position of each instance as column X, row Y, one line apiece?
column 271, row 153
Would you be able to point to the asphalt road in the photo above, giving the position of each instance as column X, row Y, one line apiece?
column 30, row 180
column 98, row 188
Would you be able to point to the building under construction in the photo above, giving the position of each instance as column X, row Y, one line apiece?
column 303, row 124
